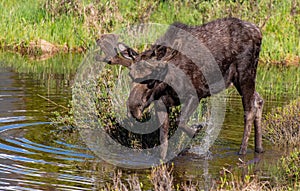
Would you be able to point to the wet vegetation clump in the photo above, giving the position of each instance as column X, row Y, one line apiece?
column 161, row 179
column 283, row 175
column 102, row 107
column 289, row 169
column 110, row 121
column 282, row 125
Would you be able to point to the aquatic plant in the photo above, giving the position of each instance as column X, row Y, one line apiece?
column 289, row 168
column 282, row 125
column 162, row 178
column 117, row 184
column 240, row 178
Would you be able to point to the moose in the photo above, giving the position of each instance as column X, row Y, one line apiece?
column 234, row 46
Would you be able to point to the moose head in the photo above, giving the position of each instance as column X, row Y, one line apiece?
column 148, row 71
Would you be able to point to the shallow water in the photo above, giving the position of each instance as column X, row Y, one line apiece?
column 36, row 155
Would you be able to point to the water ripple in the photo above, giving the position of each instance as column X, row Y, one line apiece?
column 16, row 126
column 12, row 119
column 30, row 163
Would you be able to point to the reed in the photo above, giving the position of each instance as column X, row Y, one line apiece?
column 281, row 125
column 278, row 83
column 242, row 177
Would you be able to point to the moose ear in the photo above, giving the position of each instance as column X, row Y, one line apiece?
column 105, row 39
column 165, row 53
column 160, row 52
column 126, row 51
column 107, row 42
column 170, row 53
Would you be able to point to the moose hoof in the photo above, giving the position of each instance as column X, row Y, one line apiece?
column 259, row 150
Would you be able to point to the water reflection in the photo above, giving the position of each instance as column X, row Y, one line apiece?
column 32, row 155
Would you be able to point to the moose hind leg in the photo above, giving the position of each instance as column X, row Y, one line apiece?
column 247, row 91
column 257, row 122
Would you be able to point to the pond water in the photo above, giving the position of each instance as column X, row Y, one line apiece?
column 36, row 155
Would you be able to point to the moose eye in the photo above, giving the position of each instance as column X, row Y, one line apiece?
column 151, row 84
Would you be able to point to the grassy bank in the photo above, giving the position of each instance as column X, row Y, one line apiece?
column 74, row 25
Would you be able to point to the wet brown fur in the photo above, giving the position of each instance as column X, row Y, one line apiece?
column 235, row 46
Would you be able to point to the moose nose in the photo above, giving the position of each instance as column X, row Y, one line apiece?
column 107, row 60
column 136, row 114
column 129, row 114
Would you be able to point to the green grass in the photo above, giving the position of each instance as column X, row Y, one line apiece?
column 73, row 25
column 277, row 82
column 281, row 125
column 26, row 21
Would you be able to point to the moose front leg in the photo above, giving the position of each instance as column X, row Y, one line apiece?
column 187, row 110
column 163, row 132
column 248, row 122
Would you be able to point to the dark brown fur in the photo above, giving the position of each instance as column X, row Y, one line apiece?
column 235, row 46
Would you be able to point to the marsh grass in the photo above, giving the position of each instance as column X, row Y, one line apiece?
column 74, row 24
column 282, row 125
column 278, row 82
column 282, row 175
column 288, row 169
column 60, row 22
column 236, row 179
column 160, row 177
column 241, row 177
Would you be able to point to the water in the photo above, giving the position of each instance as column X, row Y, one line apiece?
column 36, row 155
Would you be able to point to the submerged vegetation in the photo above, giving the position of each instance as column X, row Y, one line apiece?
column 42, row 26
